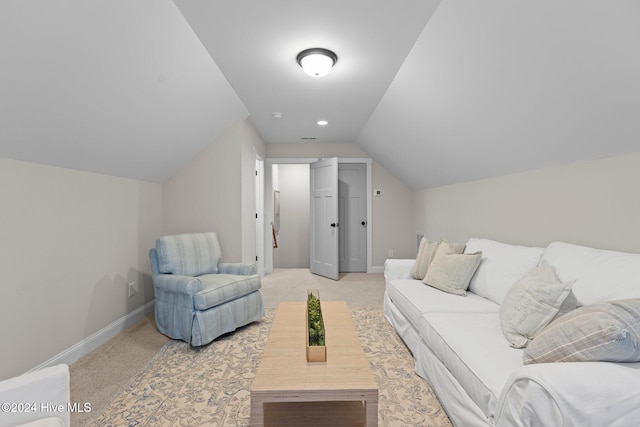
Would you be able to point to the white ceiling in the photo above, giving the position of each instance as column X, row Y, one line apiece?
column 438, row 92
column 255, row 44
column 118, row 87
column 502, row 86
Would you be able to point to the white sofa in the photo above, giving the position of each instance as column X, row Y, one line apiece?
column 36, row 399
column 460, row 348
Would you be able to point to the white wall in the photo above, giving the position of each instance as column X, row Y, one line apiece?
column 293, row 238
column 214, row 192
column 205, row 194
column 592, row 203
column 393, row 217
column 70, row 242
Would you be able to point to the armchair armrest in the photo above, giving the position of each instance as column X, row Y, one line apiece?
column 43, row 391
column 237, row 268
column 179, row 284
column 571, row 394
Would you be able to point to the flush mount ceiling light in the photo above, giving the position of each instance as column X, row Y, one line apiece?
column 317, row 61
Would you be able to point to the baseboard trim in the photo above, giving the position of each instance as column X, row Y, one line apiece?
column 377, row 269
column 95, row 340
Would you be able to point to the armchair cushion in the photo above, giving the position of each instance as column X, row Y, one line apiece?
column 189, row 254
column 220, row 288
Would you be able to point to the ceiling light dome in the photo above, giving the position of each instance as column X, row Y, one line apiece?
column 317, row 61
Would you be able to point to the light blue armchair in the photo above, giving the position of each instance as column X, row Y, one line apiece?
column 198, row 297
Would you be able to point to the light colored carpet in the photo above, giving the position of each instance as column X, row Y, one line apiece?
column 104, row 373
column 290, row 284
column 210, row 386
column 100, row 375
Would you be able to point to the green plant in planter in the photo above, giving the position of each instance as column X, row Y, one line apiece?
column 316, row 325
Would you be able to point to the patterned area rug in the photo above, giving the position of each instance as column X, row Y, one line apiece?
column 210, row 386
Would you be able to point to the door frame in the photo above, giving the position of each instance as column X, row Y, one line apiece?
column 268, row 202
column 346, row 227
column 259, row 207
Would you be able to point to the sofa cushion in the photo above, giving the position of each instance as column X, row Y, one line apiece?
column 532, row 303
column 473, row 349
column 599, row 275
column 451, row 272
column 413, row 299
column 606, row 332
column 221, row 288
column 189, row 254
column 502, row 266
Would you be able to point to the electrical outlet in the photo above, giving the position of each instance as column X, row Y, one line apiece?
column 133, row 289
column 390, row 253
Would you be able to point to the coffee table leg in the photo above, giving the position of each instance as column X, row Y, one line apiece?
column 371, row 412
column 257, row 412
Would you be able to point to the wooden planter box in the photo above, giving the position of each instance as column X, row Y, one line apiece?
column 315, row 353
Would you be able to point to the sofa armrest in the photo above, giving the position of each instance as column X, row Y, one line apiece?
column 35, row 396
column 397, row 269
column 237, row 268
column 577, row 394
column 179, row 284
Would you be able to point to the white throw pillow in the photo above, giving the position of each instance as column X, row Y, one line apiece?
column 427, row 251
column 532, row 303
column 502, row 266
column 451, row 272
column 599, row 275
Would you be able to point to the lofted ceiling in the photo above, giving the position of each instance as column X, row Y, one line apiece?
column 437, row 92
column 502, row 86
column 255, row 44
column 117, row 87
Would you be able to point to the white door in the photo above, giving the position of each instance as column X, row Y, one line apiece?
column 352, row 208
column 324, row 218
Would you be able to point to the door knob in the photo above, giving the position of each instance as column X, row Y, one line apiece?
column 364, row 223
column 335, row 224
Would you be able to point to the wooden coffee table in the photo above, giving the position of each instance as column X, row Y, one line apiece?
column 288, row 390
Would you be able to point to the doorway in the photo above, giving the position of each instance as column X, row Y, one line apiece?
column 272, row 182
column 352, row 216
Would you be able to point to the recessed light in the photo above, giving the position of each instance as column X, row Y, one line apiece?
column 277, row 115
column 322, row 122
